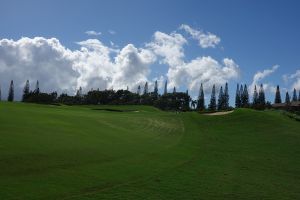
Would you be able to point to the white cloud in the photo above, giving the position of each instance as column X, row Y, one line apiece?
column 96, row 65
column 205, row 40
column 112, row 32
column 204, row 70
column 93, row 33
column 295, row 78
column 190, row 74
column 61, row 69
column 260, row 75
column 169, row 47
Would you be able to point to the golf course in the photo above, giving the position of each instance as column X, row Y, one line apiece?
column 50, row 152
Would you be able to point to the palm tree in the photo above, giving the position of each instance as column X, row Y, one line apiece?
column 194, row 103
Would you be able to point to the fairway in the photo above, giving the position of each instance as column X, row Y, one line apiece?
column 139, row 152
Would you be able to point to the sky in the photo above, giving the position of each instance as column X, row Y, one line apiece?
column 114, row 44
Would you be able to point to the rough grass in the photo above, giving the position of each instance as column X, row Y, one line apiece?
column 77, row 152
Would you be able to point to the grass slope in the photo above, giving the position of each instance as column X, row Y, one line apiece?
column 76, row 152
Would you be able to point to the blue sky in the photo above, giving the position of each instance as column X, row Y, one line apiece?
column 256, row 35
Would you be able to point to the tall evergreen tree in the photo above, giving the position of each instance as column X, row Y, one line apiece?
column 138, row 90
column 261, row 95
column 174, row 90
column 26, row 91
column 287, row 98
column 294, row 95
column 166, row 88
column 212, row 105
column 226, row 97
column 37, row 87
column 200, row 102
column 237, row 97
column 79, row 92
column 277, row 95
column 11, row 91
column 155, row 92
column 245, row 97
column 221, row 99
column 255, row 96
column 146, row 88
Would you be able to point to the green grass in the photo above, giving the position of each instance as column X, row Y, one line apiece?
column 77, row 152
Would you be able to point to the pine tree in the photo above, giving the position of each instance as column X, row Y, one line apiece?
column 261, row 96
column 174, row 90
column 245, row 97
column 79, row 92
column 37, row 87
column 277, row 95
column 11, row 91
column 255, row 96
column 226, row 97
column 138, row 90
column 287, row 98
column 166, row 88
column 201, row 103
column 146, row 88
column 26, row 91
column 155, row 92
column 221, row 99
column 294, row 95
column 212, row 105
column 237, row 97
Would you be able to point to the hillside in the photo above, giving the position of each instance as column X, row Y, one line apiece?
column 140, row 152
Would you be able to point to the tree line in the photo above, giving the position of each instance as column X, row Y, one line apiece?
column 179, row 101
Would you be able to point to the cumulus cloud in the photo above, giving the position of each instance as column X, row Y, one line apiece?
column 37, row 59
column 260, row 75
column 191, row 74
column 96, row 65
column 205, row 40
column 204, row 70
column 169, row 47
column 61, row 69
column 93, row 33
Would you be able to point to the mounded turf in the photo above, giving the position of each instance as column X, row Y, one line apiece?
column 98, row 152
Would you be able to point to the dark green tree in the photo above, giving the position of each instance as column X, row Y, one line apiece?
column 277, row 95
column 226, row 97
column 287, row 98
column 138, row 90
column 37, row 87
column 212, row 105
column 255, row 97
column 26, row 91
column 261, row 96
column 11, row 91
column 294, row 95
column 237, row 97
column 221, row 99
column 146, row 88
column 155, row 92
column 166, row 88
column 200, row 102
column 245, row 97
